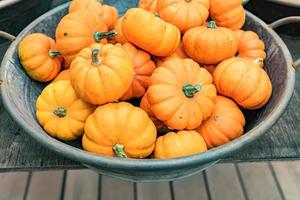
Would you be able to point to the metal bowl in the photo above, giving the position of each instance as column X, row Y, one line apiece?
column 19, row 94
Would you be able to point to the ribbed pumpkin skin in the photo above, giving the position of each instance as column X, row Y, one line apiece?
column 250, row 46
column 149, row 5
column 184, row 14
column 62, row 76
column 179, row 53
column 143, row 67
column 120, row 38
column 62, row 95
column 168, row 101
column 159, row 38
column 34, row 57
column 144, row 104
column 119, row 123
column 244, row 81
column 182, row 143
column 105, row 82
column 71, row 40
column 210, row 45
column 229, row 13
column 108, row 14
column 225, row 124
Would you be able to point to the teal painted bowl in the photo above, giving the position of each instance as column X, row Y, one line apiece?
column 19, row 94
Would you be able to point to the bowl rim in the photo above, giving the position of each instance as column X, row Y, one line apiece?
column 89, row 158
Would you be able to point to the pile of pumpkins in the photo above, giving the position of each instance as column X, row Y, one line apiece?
column 191, row 76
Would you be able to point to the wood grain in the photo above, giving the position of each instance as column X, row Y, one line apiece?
column 151, row 191
column 46, row 185
column 81, row 184
column 116, row 189
column 12, row 185
column 258, row 181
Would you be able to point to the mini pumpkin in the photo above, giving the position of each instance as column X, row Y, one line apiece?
column 250, row 46
column 39, row 56
column 229, row 13
column 160, row 126
column 143, row 67
column 225, row 124
column 244, row 81
column 63, row 76
column 119, row 38
column 119, row 129
column 210, row 44
column 61, row 113
column 181, row 94
column 179, row 53
column 79, row 30
column 149, row 32
column 149, row 5
column 182, row 143
column 101, row 73
column 184, row 14
column 108, row 14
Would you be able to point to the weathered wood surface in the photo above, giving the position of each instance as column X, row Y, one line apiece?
column 19, row 152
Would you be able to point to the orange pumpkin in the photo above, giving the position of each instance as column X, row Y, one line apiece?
column 160, row 126
column 184, row 14
column 63, row 76
column 150, row 33
column 79, row 30
column 61, row 113
column 181, row 94
column 39, row 56
column 119, row 38
column 182, row 143
column 250, row 46
column 119, row 129
column 143, row 67
column 210, row 44
column 108, row 14
column 179, row 53
column 225, row 124
column 101, row 73
column 149, row 5
column 229, row 13
column 244, row 81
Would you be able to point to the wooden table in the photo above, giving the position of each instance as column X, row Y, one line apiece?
column 19, row 152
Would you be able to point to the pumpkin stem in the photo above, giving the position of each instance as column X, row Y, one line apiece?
column 53, row 53
column 188, row 1
column 101, row 35
column 259, row 61
column 119, row 150
column 95, row 59
column 189, row 90
column 60, row 112
column 212, row 24
column 157, row 15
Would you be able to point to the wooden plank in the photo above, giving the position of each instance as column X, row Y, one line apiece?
column 151, row 191
column 224, row 183
column 81, row 184
column 193, row 187
column 12, row 185
column 45, row 185
column 258, row 181
column 113, row 189
column 288, row 174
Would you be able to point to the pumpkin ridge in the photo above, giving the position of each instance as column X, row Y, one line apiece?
column 218, row 133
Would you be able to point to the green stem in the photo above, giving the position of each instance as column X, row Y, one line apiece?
column 53, row 53
column 119, row 150
column 157, row 15
column 259, row 61
column 101, row 35
column 95, row 59
column 212, row 24
column 189, row 90
column 60, row 112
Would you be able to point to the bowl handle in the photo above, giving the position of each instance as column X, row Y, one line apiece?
column 7, row 36
column 285, row 21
